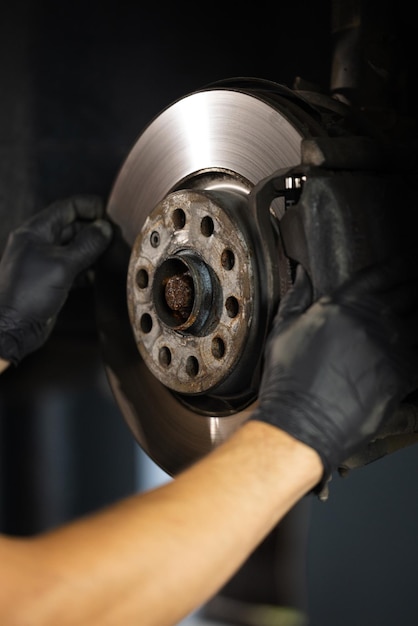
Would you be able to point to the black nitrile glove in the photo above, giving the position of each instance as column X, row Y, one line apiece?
column 40, row 262
column 335, row 370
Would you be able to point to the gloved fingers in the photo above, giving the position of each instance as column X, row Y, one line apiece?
column 87, row 208
column 298, row 298
column 393, row 281
column 87, row 245
column 398, row 303
column 391, row 316
column 58, row 222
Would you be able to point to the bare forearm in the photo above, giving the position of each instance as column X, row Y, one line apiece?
column 3, row 365
column 157, row 556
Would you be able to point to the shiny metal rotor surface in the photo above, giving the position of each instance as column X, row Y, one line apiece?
column 214, row 129
column 217, row 138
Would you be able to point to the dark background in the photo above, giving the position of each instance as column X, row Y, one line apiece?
column 78, row 82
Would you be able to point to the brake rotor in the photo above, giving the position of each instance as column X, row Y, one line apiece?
column 186, row 292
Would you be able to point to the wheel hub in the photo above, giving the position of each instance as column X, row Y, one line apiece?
column 192, row 291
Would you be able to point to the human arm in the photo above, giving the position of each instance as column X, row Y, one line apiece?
column 155, row 557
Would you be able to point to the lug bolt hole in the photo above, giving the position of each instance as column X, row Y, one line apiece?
column 154, row 239
column 142, row 279
column 179, row 219
column 207, row 226
column 164, row 356
column 192, row 366
column 218, row 347
column 227, row 259
column 146, row 323
column 232, row 306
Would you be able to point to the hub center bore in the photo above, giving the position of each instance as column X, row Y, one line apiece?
column 184, row 292
column 179, row 295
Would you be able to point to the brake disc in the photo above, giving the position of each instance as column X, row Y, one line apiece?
column 187, row 291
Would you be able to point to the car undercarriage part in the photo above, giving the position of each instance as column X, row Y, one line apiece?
column 207, row 236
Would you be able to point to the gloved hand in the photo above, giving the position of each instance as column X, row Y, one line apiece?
column 40, row 262
column 336, row 369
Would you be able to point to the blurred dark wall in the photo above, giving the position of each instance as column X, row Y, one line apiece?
column 78, row 82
